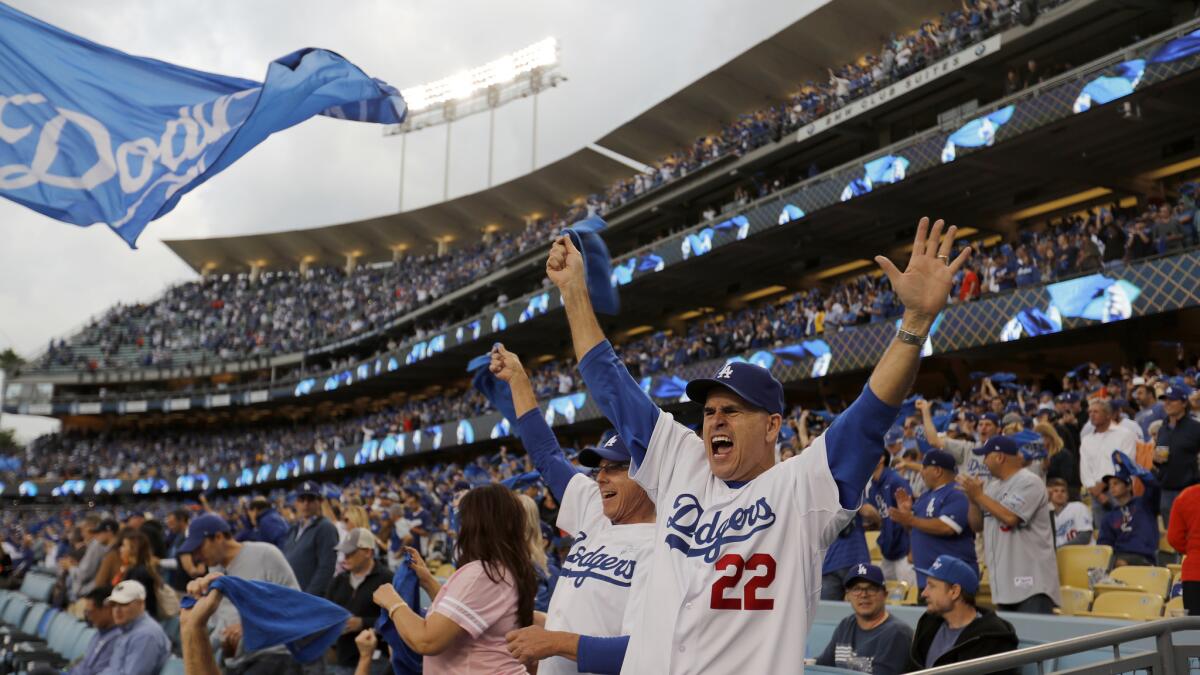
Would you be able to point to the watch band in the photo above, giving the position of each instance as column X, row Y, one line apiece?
column 911, row 338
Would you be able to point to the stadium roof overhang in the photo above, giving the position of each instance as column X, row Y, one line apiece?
column 417, row 231
column 767, row 72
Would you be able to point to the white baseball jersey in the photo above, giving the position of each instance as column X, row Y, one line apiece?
column 736, row 572
column 600, row 582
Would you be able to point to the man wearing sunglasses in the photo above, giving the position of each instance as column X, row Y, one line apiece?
column 612, row 520
column 871, row 640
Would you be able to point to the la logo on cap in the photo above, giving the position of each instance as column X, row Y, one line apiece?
column 725, row 372
column 862, row 569
column 611, row 442
column 937, row 564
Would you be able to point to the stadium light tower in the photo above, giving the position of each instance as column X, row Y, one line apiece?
column 519, row 74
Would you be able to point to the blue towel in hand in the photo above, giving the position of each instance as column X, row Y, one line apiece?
column 272, row 615
column 404, row 660
column 597, row 264
column 495, row 390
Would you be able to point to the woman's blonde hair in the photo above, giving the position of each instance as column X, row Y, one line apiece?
column 356, row 516
column 533, row 532
column 1054, row 442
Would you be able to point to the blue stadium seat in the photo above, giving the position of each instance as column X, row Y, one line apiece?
column 14, row 613
column 174, row 666
column 79, row 645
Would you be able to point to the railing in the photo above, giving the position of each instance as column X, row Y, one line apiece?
column 1168, row 658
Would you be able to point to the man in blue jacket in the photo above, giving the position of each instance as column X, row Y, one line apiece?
column 267, row 525
column 893, row 539
column 310, row 543
column 1131, row 527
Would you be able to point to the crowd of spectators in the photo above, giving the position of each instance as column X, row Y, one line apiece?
column 1088, row 241
column 232, row 317
column 949, row 458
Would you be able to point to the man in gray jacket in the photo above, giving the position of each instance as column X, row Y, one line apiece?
column 310, row 543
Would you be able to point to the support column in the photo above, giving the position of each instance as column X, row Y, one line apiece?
column 256, row 267
column 351, row 262
column 443, row 246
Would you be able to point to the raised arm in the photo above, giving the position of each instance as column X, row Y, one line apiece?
column 620, row 398
column 855, row 439
column 530, row 426
column 923, row 287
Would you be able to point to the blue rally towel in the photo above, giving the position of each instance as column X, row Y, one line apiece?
column 404, row 660
column 92, row 134
column 597, row 264
column 522, row 480
column 495, row 390
column 272, row 614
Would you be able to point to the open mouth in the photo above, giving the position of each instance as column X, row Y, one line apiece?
column 606, row 495
column 721, row 445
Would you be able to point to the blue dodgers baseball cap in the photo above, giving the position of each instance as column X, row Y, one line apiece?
column 991, row 417
column 970, row 416
column 613, row 450
column 951, row 570
column 1175, row 392
column 309, row 487
column 893, row 436
column 200, row 529
column 998, row 444
column 866, row 572
column 753, row 383
column 940, row 459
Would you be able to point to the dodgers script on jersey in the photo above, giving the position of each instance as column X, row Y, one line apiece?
column 600, row 581
column 736, row 572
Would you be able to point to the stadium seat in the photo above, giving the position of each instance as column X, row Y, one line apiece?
column 1174, row 607
column 873, row 545
column 1075, row 600
column 444, row 571
column 897, row 591
column 174, row 666
column 1075, row 561
column 913, row 594
column 1156, row 580
column 1131, row 605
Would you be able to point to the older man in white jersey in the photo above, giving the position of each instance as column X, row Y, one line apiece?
column 736, row 571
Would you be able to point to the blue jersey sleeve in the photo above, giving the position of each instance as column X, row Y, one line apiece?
column 547, row 455
column 893, row 538
column 955, row 507
column 621, row 399
column 854, row 444
column 601, row 654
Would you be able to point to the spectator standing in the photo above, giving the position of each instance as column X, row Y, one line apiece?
column 1072, row 520
column 1013, row 510
column 938, row 523
column 420, row 521
column 953, row 629
column 1178, row 447
column 1095, row 454
column 142, row 647
column 210, row 542
column 871, row 640
column 1184, row 536
column 100, row 649
column 103, row 535
column 311, row 542
column 1131, row 526
column 893, row 539
column 353, row 590
column 268, row 526
column 842, row 558
column 177, row 524
column 489, row 595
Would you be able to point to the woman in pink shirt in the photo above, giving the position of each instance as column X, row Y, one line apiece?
column 490, row 594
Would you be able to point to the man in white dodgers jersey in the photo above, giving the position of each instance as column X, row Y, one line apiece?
column 739, row 540
column 612, row 521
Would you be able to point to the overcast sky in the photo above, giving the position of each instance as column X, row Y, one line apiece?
column 620, row 57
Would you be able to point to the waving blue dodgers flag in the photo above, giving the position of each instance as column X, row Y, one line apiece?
column 89, row 134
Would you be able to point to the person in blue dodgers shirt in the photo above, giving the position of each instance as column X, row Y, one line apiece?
column 612, row 521
column 1013, row 511
column 938, row 523
column 871, row 640
column 893, row 541
column 842, row 558
column 1131, row 526
column 739, row 538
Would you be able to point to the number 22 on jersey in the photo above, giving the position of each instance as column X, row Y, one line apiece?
column 760, row 565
